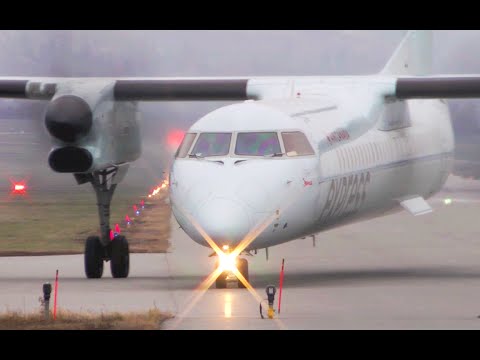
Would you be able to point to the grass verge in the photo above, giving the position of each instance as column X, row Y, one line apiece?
column 58, row 223
column 68, row 320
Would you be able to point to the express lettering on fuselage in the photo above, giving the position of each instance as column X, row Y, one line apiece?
column 346, row 196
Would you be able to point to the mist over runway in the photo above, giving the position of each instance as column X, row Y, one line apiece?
column 398, row 271
column 395, row 272
column 123, row 53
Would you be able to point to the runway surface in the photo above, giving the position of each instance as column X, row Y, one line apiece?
column 396, row 272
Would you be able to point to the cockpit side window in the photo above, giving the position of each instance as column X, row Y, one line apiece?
column 185, row 146
column 212, row 144
column 257, row 144
column 296, row 144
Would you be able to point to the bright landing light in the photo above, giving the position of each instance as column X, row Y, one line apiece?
column 447, row 201
column 227, row 262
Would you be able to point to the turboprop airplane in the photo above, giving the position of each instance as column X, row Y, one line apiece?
column 294, row 156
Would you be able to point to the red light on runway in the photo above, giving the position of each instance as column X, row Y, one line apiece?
column 18, row 187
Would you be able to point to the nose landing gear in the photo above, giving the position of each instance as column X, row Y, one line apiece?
column 242, row 266
column 228, row 276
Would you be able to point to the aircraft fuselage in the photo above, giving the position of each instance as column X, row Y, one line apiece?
column 369, row 155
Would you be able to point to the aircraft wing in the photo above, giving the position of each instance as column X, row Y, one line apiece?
column 437, row 87
column 237, row 88
column 13, row 88
column 159, row 90
column 136, row 89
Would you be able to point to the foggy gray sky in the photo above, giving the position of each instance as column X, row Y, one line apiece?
column 218, row 53
column 232, row 52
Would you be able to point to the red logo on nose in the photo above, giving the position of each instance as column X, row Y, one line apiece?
column 307, row 183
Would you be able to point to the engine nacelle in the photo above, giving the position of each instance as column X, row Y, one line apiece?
column 70, row 159
column 68, row 118
column 90, row 131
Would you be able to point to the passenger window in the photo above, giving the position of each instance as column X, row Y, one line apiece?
column 187, row 141
column 296, row 144
column 258, row 144
column 212, row 144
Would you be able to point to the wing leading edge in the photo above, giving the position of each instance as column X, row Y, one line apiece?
column 165, row 89
column 442, row 87
column 238, row 89
column 13, row 89
column 177, row 90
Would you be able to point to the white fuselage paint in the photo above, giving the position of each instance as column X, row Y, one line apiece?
column 370, row 154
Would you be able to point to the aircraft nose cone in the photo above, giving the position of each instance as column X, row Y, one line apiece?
column 225, row 221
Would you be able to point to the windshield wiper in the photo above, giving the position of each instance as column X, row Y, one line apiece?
column 196, row 156
column 274, row 155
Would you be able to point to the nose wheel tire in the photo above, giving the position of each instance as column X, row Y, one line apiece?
column 221, row 282
column 242, row 266
column 120, row 257
column 93, row 257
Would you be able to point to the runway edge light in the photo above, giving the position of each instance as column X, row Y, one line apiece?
column 47, row 290
column 270, row 290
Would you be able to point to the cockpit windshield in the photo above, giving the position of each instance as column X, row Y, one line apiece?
column 262, row 144
column 212, row 144
column 186, row 145
column 258, row 144
column 296, row 144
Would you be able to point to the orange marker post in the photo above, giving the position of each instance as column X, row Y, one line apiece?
column 281, row 286
column 55, row 298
